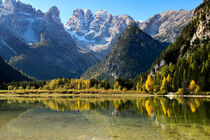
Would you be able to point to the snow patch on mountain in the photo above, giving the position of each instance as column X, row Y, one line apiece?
column 96, row 32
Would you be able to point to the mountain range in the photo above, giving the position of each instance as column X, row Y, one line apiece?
column 99, row 32
column 38, row 44
column 41, row 46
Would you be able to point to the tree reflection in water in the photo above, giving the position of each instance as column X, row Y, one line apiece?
column 186, row 117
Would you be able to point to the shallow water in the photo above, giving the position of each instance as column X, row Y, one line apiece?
column 71, row 118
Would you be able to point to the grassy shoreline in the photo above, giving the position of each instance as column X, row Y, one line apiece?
column 89, row 92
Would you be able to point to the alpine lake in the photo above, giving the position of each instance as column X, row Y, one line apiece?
column 104, row 118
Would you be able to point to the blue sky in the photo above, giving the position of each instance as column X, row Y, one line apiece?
column 138, row 9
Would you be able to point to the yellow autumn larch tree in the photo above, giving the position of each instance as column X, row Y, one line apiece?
column 192, row 85
column 149, row 85
column 168, row 78
column 116, row 85
column 163, row 85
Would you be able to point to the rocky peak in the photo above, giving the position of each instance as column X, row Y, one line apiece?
column 166, row 26
column 25, row 8
column 147, row 26
column 83, row 14
column 102, row 14
column 101, row 18
column 80, row 21
column 10, row 4
column 128, row 19
column 99, row 32
column 53, row 14
column 39, row 13
column 88, row 13
column 17, row 7
column 10, row 1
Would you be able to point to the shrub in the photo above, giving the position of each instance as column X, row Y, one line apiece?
column 10, row 87
column 163, row 92
column 180, row 91
column 197, row 90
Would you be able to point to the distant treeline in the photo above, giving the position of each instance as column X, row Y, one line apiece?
column 60, row 83
column 77, row 84
column 148, row 86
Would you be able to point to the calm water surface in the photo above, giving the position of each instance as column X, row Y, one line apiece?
column 76, row 118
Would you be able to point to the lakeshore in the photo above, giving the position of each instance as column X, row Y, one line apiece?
column 90, row 93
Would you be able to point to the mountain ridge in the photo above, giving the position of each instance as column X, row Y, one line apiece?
column 133, row 53
column 166, row 26
column 99, row 32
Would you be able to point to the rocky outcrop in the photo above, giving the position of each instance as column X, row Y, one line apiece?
column 53, row 15
column 203, row 29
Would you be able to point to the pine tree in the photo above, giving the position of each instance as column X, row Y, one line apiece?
column 139, row 85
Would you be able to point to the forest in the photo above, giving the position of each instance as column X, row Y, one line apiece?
column 160, row 86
